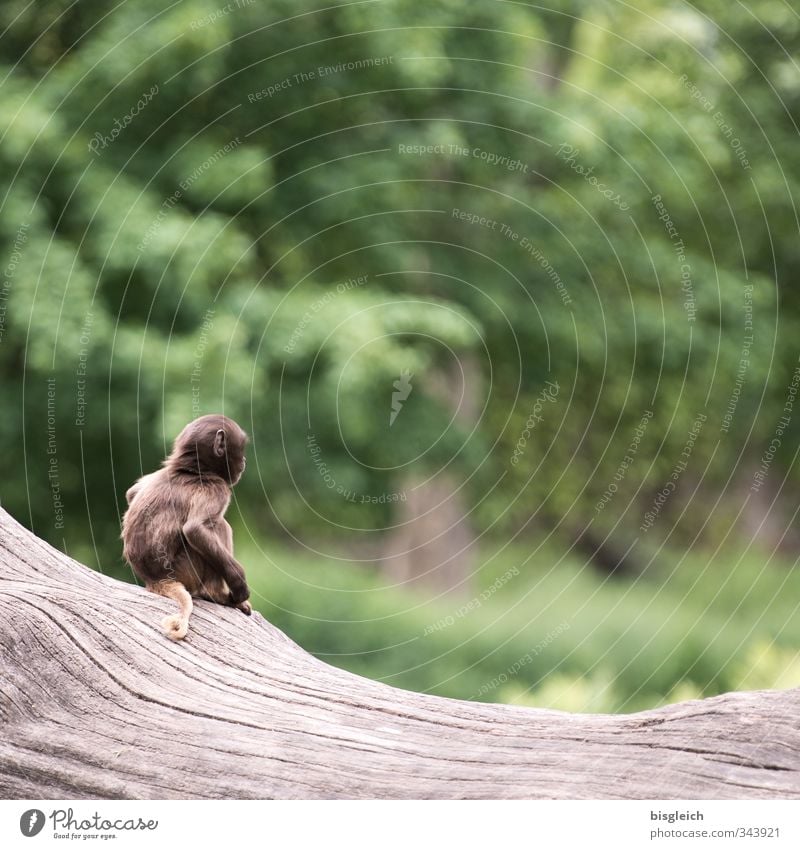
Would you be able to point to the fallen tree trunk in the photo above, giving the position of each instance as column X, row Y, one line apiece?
column 96, row 702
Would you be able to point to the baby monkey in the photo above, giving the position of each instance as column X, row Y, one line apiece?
column 174, row 531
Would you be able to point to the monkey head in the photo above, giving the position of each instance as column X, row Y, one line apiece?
column 211, row 444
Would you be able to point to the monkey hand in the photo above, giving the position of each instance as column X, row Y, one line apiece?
column 245, row 608
column 239, row 591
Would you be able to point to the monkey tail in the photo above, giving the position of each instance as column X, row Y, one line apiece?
column 176, row 625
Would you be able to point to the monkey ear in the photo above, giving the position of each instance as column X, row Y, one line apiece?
column 219, row 443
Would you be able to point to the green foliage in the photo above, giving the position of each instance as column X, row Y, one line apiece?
column 275, row 210
column 560, row 638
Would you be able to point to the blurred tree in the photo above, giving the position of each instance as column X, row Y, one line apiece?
column 275, row 210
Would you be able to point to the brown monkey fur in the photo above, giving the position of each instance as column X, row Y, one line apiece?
column 175, row 535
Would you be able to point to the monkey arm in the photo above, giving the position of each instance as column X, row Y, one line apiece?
column 227, row 532
column 202, row 536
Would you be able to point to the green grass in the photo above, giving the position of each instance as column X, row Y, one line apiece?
column 557, row 634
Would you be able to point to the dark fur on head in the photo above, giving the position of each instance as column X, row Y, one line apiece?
column 223, row 456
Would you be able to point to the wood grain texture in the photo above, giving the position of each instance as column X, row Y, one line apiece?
column 96, row 702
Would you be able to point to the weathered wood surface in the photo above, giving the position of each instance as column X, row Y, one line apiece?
column 96, row 702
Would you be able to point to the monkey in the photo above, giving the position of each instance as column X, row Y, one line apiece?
column 174, row 532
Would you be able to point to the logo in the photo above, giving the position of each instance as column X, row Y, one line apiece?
column 31, row 822
column 402, row 391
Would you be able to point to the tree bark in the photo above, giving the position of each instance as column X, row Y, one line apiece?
column 96, row 703
column 433, row 544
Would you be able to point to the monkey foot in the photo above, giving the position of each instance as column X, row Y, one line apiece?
column 245, row 608
column 175, row 626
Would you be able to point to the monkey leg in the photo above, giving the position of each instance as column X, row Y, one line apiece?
column 237, row 584
column 214, row 587
column 176, row 625
column 211, row 587
column 217, row 590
